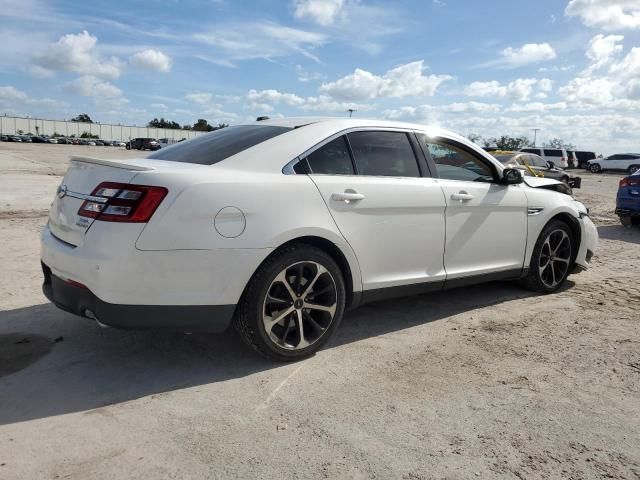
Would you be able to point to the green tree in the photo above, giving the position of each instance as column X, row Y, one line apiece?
column 88, row 135
column 83, row 117
column 162, row 123
column 559, row 143
column 474, row 137
column 505, row 142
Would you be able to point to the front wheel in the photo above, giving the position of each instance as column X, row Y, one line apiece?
column 595, row 168
column 552, row 258
column 293, row 304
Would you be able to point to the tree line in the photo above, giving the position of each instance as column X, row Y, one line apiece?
column 202, row 125
column 506, row 142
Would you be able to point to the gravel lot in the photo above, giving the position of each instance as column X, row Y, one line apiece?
column 482, row 382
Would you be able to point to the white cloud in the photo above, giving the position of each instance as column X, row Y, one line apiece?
column 519, row 90
column 405, row 80
column 603, row 50
column 153, row 60
column 199, row 97
column 12, row 99
column 606, row 14
column 266, row 40
column 525, row 55
column 77, row 53
column 159, row 106
column 90, row 86
column 537, row 107
column 322, row 12
column 265, row 99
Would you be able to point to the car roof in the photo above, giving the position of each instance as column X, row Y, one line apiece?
column 343, row 123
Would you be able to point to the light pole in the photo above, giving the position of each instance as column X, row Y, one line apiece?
column 535, row 135
column 351, row 110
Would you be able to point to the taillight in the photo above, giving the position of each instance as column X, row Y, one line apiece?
column 121, row 202
column 629, row 181
column 624, row 182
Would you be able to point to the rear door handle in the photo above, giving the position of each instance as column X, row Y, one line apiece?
column 461, row 196
column 347, row 197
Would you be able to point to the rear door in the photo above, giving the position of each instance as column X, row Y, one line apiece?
column 392, row 217
column 486, row 221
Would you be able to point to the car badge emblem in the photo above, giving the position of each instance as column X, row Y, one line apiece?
column 62, row 191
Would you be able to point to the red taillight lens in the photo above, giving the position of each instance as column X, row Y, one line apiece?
column 629, row 181
column 624, row 182
column 121, row 202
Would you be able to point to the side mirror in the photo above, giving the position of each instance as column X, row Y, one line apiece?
column 512, row 176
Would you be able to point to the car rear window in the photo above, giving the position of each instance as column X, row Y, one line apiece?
column 503, row 158
column 214, row 147
column 553, row 153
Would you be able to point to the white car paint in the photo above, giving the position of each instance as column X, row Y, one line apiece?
column 218, row 223
column 629, row 162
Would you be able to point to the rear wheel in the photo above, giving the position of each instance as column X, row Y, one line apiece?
column 595, row 168
column 632, row 169
column 552, row 257
column 293, row 304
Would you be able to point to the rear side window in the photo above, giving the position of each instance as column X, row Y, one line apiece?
column 586, row 155
column 553, row 153
column 531, row 150
column 384, row 154
column 332, row 158
column 214, row 147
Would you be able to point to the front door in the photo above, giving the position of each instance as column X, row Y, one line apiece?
column 486, row 221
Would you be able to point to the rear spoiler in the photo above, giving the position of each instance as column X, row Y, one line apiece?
column 111, row 163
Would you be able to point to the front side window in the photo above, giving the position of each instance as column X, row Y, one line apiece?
column 332, row 158
column 453, row 163
column 385, row 154
column 214, row 147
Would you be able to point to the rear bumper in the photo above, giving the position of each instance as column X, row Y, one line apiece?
column 79, row 300
column 628, row 212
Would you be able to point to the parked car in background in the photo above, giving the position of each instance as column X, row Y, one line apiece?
column 15, row 138
column 584, row 157
column 64, row 141
column 4, row 138
column 143, row 144
column 628, row 162
column 98, row 142
column 38, row 139
column 572, row 159
column 278, row 226
column 558, row 156
column 532, row 164
column 26, row 138
column 628, row 200
column 52, row 140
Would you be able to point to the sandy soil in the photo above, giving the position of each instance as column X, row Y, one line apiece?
column 482, row 382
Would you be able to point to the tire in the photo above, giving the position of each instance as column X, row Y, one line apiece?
column 552, row 258
column 127, row 146
column 595, row 168
column 275, row 289
column 632, row 169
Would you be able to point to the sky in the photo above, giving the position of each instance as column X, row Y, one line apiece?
column 570, row 68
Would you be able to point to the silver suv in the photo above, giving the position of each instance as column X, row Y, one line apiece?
column 558, row 156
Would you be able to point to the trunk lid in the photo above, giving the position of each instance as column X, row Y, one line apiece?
column 82, row 177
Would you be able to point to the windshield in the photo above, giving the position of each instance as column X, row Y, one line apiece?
column 214, row 147
column 504, row 158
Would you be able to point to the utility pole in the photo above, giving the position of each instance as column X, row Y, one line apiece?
column 351, row 110
column 535, row 135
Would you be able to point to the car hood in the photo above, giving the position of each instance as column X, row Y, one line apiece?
column 548, row 184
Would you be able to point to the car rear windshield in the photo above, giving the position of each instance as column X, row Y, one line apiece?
column 214, row 147
column 503, row 158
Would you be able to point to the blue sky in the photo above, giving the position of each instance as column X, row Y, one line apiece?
column 568, row 67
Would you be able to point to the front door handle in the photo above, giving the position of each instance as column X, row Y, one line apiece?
column 461, row 196
column 347, row 196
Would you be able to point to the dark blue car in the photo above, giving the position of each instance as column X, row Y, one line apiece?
column 628, row 200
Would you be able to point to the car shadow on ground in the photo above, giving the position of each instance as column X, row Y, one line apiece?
column 621, row 233
column 54, row 363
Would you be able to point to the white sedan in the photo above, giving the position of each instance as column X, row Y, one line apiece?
column 279, row 226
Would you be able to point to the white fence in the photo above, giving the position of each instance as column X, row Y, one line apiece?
column 106, row 131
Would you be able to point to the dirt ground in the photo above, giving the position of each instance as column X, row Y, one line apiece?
column 482, row 382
